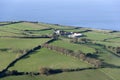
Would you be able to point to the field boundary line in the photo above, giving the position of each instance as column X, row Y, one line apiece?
column 107, row 75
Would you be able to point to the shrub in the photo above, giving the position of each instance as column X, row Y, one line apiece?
column 44, row 70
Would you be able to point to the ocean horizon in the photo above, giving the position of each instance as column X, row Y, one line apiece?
column 98, row 14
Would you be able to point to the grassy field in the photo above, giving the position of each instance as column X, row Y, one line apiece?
column 26, row 26
column 115, row 40
column 61, row 27
column 116, row 33
column 16, row 43
column 114, row 44
column 6, row 31
column 80, row 75
column 44, row 32
column 75, row 47
column 10, row 46
column 113, row 60
column 113, row 73
column 19, row 29
column 3, row 22
column 98, row 36
column 106, row 55
column 48, row 58
column 53, row 59
column 76, row 30
column 6, row 58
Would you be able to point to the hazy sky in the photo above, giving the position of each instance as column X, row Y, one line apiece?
column 61, row 11
column 77, row 8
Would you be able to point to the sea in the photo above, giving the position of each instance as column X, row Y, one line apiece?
column 98, row 14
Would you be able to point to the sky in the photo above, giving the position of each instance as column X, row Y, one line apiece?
column 61, row 11
column 87, row 8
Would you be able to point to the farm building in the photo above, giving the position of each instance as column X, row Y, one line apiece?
column 68, row 34
column 73, row 35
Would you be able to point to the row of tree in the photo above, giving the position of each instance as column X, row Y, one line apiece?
column 114, row 49
column 28, row 36
column 80, row 40
column 78, row 55
column 8, row 23
column 44, row 71
column 15, row 72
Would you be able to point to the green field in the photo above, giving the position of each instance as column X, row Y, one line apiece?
column 113, row 73
column 48, row 58
column 54, row 26
column 6, row 58
column 114, row 44
column 19, row 29
column 112, row 59
column 76, row 30
column 116, row 40
column 44, row 32
column 10, row 50
column 98, row 36
column 75, row 47
column 16, row 43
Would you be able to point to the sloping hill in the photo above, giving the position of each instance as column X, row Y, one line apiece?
column 20, row 37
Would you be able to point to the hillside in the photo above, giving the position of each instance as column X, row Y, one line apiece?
column 40, row 51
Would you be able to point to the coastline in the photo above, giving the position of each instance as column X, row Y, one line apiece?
column 97, row 27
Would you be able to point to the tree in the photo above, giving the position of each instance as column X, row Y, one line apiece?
column 84, row 40
column 44, row 70
column 55, row 36
column 82, row 56
column 118, row 50
column 74, row 40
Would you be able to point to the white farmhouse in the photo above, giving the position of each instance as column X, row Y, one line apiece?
column 74, row 35
column 57, row 32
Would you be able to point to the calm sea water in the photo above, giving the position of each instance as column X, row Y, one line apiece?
column 101, row 14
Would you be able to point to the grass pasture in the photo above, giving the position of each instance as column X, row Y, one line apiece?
column 113, row 73
column 26, row 26
column 38, row 33
column 80, row 30
column 48, row 58
column 10, row 46
column 52, row 59
column 6, row 58
column 115, row 40
column 55, row 26
column 98, row 36
column 106, row 55
column 107, row 43
column 75, row 47
column 114, row 61
column 17, row 43
column 4, row 23
column 19, row 29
